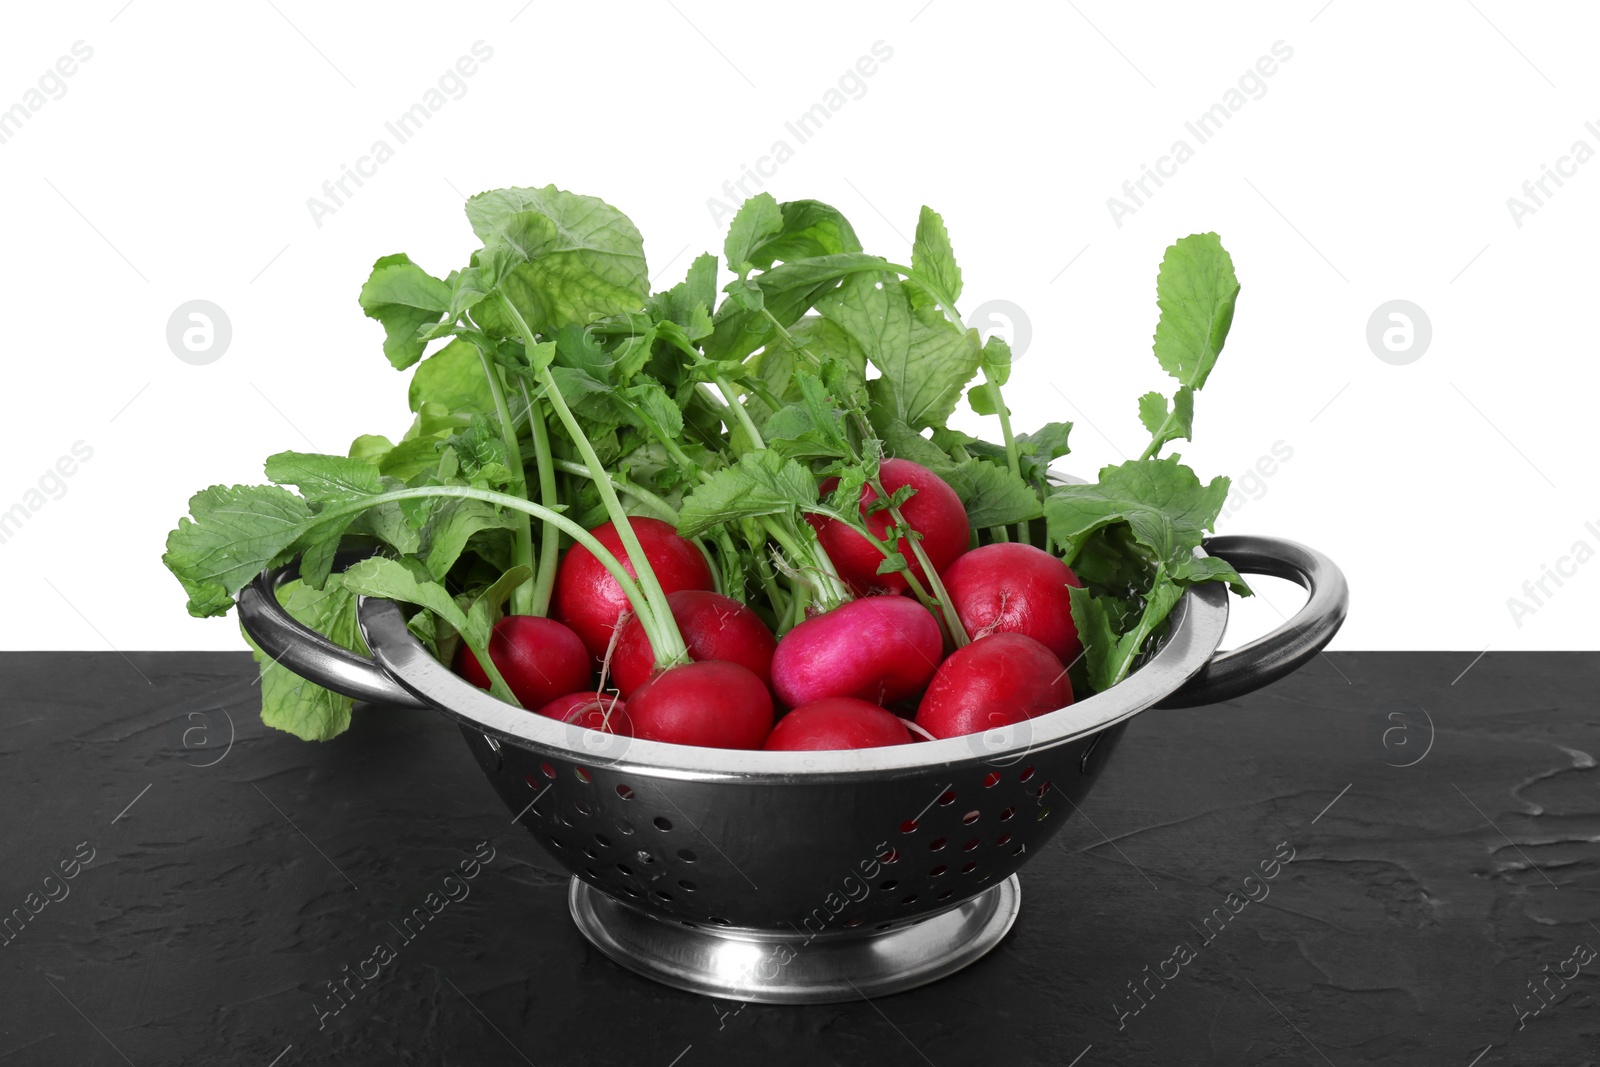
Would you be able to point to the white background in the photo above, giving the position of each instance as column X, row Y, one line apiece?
column 1377, row 165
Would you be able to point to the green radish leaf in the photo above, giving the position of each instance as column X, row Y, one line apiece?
column 370, row 448
column 831, row 345
column 1167, row 424
column 452, row 378
column 787, row 292
column 758, row 220
column 933, row 258
column 1108, row 655
column 452, row 523
column 586, row 264
column 1195, row 290
column 393, row 580
column 595, row 403
column 1048, row 443
column 688, row 302
column 1162, row 503
column 925, row 358
column 324, row 478
column 992, row 495
column 651, row 399
column 403, row 297
column 539, row 357
column 468, row 289
column 810, row 228
column 997, row 359
column 317, row 549
column 826, row 416
column 480, row 445
column 485, row 609
column 893, row 564
column 410, row 458
column 388, row 523
column 288, row 701
column 579, row 349
column 900, row 441
column 745, row 294
column 761, row 483
column 1152, row 410
column 236, row 533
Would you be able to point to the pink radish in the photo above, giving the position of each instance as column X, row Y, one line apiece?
column 596, row 711
column 1015, row 588
column 712, row 625
column 880, row 648
column 934, row 510
column 835, row 723
column 539, row 658
column 711, row 704
column 995, row 681
column 589, row 600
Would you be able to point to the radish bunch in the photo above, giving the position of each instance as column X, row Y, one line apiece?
column 848, row 677
column 739, row 512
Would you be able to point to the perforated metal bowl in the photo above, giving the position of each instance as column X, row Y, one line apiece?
column 793, row 877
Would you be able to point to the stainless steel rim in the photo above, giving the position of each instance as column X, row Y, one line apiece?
column 1196, row 628
column 720, row 962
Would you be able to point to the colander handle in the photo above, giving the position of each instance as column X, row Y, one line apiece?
column 1281, row 652
column 306, row 652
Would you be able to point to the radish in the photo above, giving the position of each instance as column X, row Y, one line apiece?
column 995, row 681
column 539, row 658
column 712, row 704
column 714, row 627
column 1015, row 588
column 934, row 511
column 881, row 648
column 588, row 598
column 596, row 711
column 835, row 723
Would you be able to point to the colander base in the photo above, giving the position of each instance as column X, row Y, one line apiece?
column 723, row 962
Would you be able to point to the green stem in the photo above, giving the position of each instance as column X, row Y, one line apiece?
column 662, row 509
column 667, row 641
column 918, row 590
column 667, row 442
column 779, row 600
column 522, row 553
column 661, row 629
column 1157, row 439
column 669, row 648
column 947, row 611
column 795, row 612
column 636, row 598
column 544, row 583
column 830, row 588
column 1013, row 459
column 739, row 412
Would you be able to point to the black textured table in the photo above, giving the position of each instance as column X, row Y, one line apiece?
column 170, row 898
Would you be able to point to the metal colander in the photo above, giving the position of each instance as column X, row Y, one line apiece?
column 795, row 877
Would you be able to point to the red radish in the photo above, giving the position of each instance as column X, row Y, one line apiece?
column 1015, row 588
column 934, row 511
column 711, row 704
column 596, row 711
column 590, row 601
column 835, row 723
column 539, row 658
column 880, row 648
column 713, row 626
column 995, row 681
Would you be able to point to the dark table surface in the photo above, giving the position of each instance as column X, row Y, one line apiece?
column 1445, row 833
